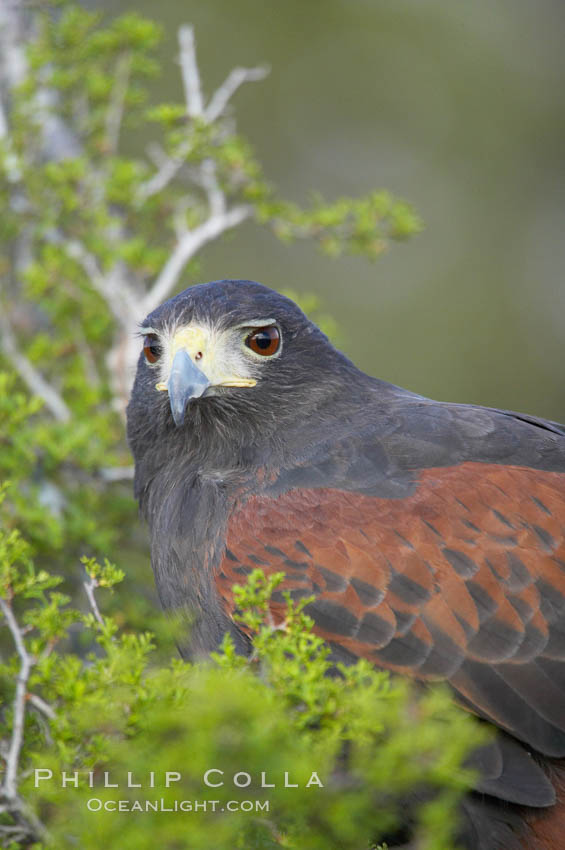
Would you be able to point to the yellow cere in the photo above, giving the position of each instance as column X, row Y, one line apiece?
column 200, row 345
column 193, row 340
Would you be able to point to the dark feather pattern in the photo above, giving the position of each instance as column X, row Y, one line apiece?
column 431, row 534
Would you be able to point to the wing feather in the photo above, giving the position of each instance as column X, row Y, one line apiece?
column 463, row 580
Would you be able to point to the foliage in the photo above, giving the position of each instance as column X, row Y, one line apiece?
column 371, row 742
column 91, row 238
column 93, row 229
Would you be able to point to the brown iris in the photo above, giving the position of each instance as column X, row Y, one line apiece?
column 151, row 348
column 264, row 341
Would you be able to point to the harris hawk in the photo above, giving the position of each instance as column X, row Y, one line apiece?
column 431, row 534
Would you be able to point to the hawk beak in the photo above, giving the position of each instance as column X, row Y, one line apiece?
column 186, row 381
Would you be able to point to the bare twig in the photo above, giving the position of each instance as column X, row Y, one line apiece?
column 215, row 195
column 113, row 288
column 225, row 92
column 186, row 248
column 117, row 102
column 28, row 826
column 157, row 155
column 10, row 785
column 34, row 380
column 16, row 834
column 90, row 266
column 191, row 80
column 41, row 705
column 220, row 218
column 90, row 586
column 190, row 74
column 168, row 168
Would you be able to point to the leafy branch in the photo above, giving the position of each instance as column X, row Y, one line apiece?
column 84, row 216
column 364, row 742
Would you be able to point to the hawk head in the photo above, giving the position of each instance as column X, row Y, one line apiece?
column 227, row 367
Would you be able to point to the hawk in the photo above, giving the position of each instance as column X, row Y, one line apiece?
column 431, row 534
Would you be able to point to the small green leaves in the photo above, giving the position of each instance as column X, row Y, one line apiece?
column 346, row 226
column 252, row 598
column 103, row 575
column 334, row 752
column 169, row 115
column 16, row 572
column 87, row 230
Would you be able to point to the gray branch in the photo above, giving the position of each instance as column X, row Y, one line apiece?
column 10, row 785
column 112, row 287
column 167, row 170
column 225, row 92
column 41, row 706
column 121, row 292
column 186, row 248
column 90, row 586
column 29, row 374
column 220, row 218
column 189, row 71
column 117, row 102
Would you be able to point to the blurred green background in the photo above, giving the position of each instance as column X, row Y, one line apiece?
column 458, row 107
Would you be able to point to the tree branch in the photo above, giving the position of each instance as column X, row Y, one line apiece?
column 220, row 219
column 29, row 374
column 41, row 705
column 90, row 586
column 186, row 248
column 10, row 786
column 168, row 168
column 225, row 92
column 209, row 180
column 111, row 287
column 117, row 102
column 190, row 73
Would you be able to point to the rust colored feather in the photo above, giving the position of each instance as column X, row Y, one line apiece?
column 464, row 580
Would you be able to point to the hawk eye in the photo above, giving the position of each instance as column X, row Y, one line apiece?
column 151, row 348
column 264, row 341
